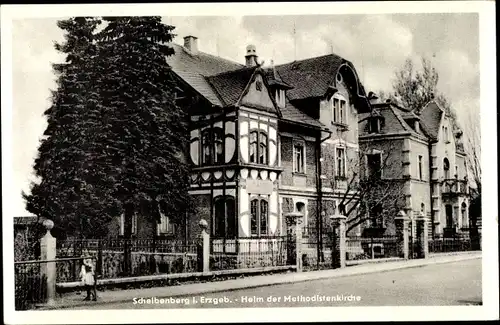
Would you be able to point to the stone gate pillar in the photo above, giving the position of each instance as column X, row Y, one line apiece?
column 402, row 233
column 423, row 235
column 294, row 232
column 339, row 256
column 48, row 253
column 203, row 247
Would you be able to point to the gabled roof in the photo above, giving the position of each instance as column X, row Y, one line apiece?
column 394, row 120
column 222, row 81
column 230, row 85
column 430, row 117
column 194, row 68
column 310, row 77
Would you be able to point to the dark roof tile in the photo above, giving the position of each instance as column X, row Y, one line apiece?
column 230, row 85
column 310, row 77
column 430, row 117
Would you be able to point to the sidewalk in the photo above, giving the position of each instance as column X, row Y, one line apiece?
column 115, row 296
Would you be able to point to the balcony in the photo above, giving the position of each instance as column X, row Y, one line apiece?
column 453, row 187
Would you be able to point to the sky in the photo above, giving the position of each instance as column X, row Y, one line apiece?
column 376, row 44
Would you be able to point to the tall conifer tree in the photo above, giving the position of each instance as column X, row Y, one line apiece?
column 72, row 189
column 146, row 133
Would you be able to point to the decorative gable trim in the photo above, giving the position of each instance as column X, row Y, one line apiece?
column 259, row 71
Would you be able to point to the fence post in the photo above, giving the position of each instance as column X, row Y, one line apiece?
column 423, row 235
column 48, row 252
column 204, row 246
column 294, row 228
column 339, row 222
column 402, row 234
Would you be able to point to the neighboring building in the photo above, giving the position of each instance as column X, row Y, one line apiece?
column 264, row 141
column 427, row 155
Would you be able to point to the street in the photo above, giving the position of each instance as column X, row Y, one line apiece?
column 457, row 283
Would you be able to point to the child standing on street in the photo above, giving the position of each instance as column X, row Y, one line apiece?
column 87, row 274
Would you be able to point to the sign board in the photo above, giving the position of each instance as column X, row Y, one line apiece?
column 259, row 186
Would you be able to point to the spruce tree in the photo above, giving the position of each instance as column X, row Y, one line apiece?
column 145, row 132
column 72, row 189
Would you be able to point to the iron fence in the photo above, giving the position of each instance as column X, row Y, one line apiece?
column 30, row 284
column 133, row 257
column 247, row 252
column 441, row 244
column 361, row 248
column 319, row 254
column 31, row 281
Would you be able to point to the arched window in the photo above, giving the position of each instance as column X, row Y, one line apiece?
column 212, row 146
column 446, row 167
column 465, row 221
column 258, row 147
column 259, row 210
column 422, row 209
column 224, row 217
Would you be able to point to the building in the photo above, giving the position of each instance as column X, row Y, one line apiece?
column 427, row 156
column 264, row 141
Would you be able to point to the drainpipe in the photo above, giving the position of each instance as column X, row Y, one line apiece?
column 319, row 190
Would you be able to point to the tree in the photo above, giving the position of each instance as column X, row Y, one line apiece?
column 413, row 88
column 369, row 197
column 71, row 188
column 144, row 131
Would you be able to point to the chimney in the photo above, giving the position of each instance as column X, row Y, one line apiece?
column 251, row 56
column 191, row 44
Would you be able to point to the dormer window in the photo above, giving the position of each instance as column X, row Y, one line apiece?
column 374, row 125
column 280, row 98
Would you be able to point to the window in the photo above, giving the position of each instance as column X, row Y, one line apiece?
column 445, row 134
column 259, row 211
column 446, row 168
column 263, row 149
column 280, row 97
column 258, row 147
column 335, row 109
column 340, row 154
column 456, row 171
column 298, row 158
column 339, row 110
column 374, row 162
column 374, row 125
column 420, row 176
column 212, row 146
column 164, row 227
column 225, row 217
column 422, row 209
column 122, row 224
column 342, row 112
